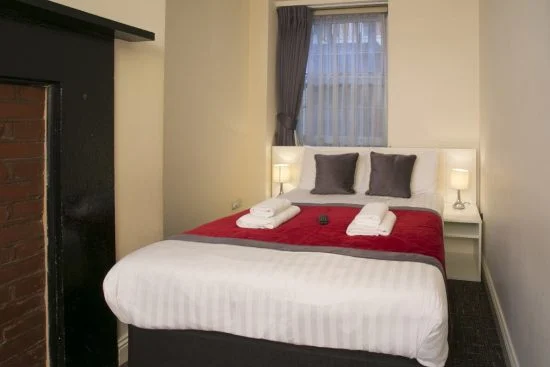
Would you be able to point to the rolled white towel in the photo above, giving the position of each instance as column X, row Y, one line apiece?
column 270, row 207
column 384, row 229
column 251, row 221
column 372, row 214
column 387, row 224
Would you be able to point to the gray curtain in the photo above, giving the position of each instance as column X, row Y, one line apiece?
column 294, row 32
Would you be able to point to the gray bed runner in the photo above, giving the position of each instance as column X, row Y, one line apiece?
column 365, row 254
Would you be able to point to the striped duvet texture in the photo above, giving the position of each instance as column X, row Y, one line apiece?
column 303, row 298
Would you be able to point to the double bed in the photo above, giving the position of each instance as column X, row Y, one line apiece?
column 302, row 294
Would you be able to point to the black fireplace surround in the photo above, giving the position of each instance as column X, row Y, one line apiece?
column 71, row 53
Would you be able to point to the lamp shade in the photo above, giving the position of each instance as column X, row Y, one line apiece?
column 459, row 178
column 281, row 173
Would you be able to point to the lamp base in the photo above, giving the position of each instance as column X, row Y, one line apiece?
column 459, row 204
column 281, row 189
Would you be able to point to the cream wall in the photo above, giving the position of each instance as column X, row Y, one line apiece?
column 261, row 83
column 515, row 92
column 139, row 91
column 433, row 73
column 219, row 94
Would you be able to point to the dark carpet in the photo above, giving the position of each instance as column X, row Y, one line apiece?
column 473, row 337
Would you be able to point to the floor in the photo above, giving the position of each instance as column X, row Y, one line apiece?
column 473, row 338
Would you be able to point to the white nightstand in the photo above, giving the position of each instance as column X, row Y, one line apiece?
column 462, row 230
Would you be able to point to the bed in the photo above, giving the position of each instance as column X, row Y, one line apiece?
column 299, row 295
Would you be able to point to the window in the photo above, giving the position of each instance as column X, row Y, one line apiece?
column 344, row 100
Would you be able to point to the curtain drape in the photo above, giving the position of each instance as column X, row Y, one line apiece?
column 292, row 52
column 344, row 101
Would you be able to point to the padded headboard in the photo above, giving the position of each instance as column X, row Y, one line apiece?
column 448, row 159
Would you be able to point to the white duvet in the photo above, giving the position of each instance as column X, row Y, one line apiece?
column 303, row 298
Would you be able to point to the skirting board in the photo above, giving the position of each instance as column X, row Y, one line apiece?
column 509, row 351
column 123, row 350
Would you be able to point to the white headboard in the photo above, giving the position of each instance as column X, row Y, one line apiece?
column 448, row 159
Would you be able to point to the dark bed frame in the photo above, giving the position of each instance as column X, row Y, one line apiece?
column 191, row 348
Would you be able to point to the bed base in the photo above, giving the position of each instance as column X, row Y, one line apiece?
column 191, row 348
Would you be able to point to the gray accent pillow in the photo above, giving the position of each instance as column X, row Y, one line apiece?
column 391, row 174
column 335, row 173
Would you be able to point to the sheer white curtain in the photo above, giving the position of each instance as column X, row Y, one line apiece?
column 344, row 102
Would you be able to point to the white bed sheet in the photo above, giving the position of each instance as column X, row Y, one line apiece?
column 316, row 299
column 432, row 201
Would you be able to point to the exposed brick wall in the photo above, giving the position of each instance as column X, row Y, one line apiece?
column 22, row 254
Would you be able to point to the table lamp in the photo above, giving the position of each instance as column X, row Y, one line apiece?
column 459, row 181
column 281, row 175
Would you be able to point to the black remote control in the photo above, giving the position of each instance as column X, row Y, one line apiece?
column 323, row 219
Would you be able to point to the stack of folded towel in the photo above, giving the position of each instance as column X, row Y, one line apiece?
column 268, row 214
column 374, row 219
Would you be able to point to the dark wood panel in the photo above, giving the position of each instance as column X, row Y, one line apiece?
column 51, row 14
column 79, row 72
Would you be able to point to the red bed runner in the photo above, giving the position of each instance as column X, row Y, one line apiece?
column 415, row 231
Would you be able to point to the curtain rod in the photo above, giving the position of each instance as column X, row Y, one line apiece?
column 354, row 10
column 329, row 4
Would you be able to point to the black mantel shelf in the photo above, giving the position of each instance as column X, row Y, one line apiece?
column 56, row 15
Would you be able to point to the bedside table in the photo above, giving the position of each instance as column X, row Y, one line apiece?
column 462, row 230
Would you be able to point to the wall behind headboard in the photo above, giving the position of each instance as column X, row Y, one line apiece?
column 433, row 72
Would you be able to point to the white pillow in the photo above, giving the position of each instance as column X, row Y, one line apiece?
column 425, row 173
